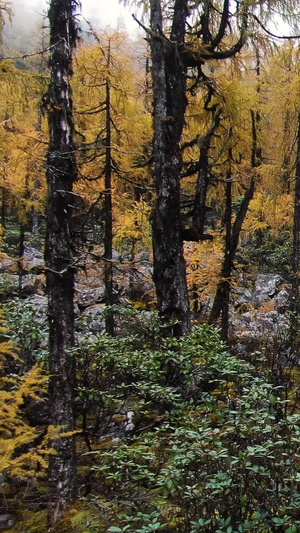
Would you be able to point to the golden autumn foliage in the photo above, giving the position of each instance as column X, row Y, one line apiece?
column 24, row 449
column 204, row 261
column 132, row 228
column 22, row 141
column 273, row 213
column 130, row 122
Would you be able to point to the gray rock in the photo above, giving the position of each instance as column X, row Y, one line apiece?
column 38, row 302
column 258, row 325
column 144, row 255
column 86, row 296
column 33, row 258
column 92, row 320
column 266, row 287
column 245, row 298
column 117, row 256
column 133, row 278
column 6, row 521
column 6, row 263
column 283, row 299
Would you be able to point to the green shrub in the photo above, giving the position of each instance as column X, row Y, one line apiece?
column 209, row 449
column 28, row 326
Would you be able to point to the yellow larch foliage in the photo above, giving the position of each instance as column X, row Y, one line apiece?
column 131, row 122
column 22, row 141
column 24, row 450
column 273, row 213
column 204, row 261
column 132, row 227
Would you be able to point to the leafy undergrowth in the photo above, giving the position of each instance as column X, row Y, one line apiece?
column 180, row 436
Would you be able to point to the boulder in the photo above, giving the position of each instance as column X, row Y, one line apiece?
column 7, row 264
column 39, row 303
column 86, row 296
column 283, row 299
column 243, row 299
column 266, row 287
column 33, row 259
column 259, row 325
column 92, row 320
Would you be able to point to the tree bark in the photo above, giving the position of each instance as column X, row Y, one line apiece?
column 169, row 85
column 199, row 209
column 20, row 258
column 221, row 300
column 3, row 207
column 108, row 236
column 61, row 174
column 296, row 231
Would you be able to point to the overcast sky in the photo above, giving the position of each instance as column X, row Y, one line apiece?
column 108, row 12
column 105, row 14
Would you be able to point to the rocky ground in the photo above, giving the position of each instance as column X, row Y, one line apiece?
column 258, row 311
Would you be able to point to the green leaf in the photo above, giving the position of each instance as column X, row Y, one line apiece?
column 272, row 399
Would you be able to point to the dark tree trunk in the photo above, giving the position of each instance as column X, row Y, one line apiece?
column 21, row 254
column 227, row 260
column 221, row 301
column 296, row 231
column 230, row 254
column 170, row 61
column 61, row 174
column 169, row 85
column 3, row 207
column 108, row 236
column 23, row 226
column 199, row 209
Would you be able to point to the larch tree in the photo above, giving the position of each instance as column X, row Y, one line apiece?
column 233, row 230
column 179, row 53
column 5, row 12
column 183, row 36
column 61, row 175
column 169, row 87
column 114, row 127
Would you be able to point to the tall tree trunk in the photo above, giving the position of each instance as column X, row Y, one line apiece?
column 20, row 258
column 227, row 259
column 296, row 231
column 222, row 297
column 230, row 255
column 108, row 236
column 3, row 206
column 61, row 174
column 169, row 85
column 199, row 209
column 221, row 300
column 23, row 226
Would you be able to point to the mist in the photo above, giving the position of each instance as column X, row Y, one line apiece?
column 25, row 33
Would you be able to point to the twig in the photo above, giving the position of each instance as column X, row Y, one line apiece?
column 25, row 56
column 289, row 37
column 147, row 30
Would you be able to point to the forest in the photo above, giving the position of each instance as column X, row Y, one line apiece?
column 149, row 270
